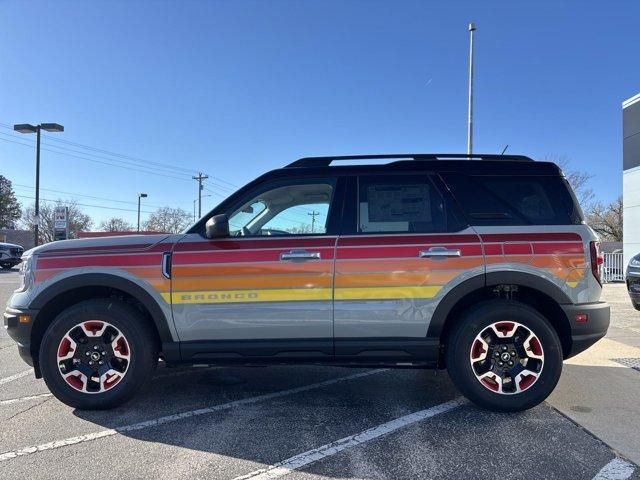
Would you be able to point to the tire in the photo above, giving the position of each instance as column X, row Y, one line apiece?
column 635, row 304
column 507, row 393
column 125, row 367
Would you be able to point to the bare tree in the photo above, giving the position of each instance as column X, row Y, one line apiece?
column 78, row 221
column 578, row 180
column 168, row 220
column 607, row 220
column 116, row 224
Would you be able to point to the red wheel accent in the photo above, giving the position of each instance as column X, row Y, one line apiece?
column 75, row 381
column 65, row 347
column 491, row 383
column 534, row 346
column 526, row 381
column 504, row 327
column 110, row 381
column 477, row 350
column 94, row 326
column 121, row 346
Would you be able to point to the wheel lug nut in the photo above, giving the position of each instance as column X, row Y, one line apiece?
column 104, row 353
column 95, row 347
column 513, row 353
column 504, row 348
column 500, row 364
column 497, row 354
column 90, row 362
column 511, row 363
column 101, row 362
column 87, row 353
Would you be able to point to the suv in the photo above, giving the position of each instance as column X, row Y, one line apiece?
column 10, row 255
column 481, row 265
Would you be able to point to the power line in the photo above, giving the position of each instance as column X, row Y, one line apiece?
column 82, row 204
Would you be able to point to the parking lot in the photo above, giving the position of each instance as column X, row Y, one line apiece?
column 327, row 422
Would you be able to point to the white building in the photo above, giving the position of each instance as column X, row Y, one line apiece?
column 631, row 176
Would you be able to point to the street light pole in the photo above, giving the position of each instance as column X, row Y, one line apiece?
column 140, row 196
column 472, row 29
column 28, row 128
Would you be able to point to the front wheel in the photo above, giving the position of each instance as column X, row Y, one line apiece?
column 504, row 356
column 96, row 354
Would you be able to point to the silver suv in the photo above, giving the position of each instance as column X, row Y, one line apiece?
column 10, row 255
column 483, row 266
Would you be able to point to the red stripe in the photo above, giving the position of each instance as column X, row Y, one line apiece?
column 530, row 237
column 557, row 248
column 517, row 249
column 394, row 239
column 491, row 249
column 221, row 256
column 267, row 242
column 345, row 253
column 100, row 260
column 94, row 250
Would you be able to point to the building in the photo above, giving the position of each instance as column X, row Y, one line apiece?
column 631, row 176
column 24, row 238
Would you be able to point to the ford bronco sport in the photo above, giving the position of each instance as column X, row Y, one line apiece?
column 481, row 265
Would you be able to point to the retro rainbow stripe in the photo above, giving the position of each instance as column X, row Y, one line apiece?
column 366, row 267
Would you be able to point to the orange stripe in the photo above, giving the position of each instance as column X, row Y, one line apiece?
column 240, row 283
column 263, row 268
column 395, row 279
column 417, row 264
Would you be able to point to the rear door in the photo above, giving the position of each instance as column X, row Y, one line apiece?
column 267, row 290
column 403, row 248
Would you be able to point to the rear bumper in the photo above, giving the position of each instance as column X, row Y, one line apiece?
column 585, row 334
column 20, row 332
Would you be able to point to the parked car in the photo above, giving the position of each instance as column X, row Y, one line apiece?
column 10, row 255
column 633, row 281
column 484, row 267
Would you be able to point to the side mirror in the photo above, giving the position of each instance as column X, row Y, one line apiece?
column 217, row 226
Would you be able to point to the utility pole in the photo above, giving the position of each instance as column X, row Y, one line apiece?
column 313, row 214
column 200, row 178
column 472, row 29
column 140, row 196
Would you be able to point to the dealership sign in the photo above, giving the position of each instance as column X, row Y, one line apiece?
column 61, row 223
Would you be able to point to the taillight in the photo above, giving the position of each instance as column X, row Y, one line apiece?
column 596, row 260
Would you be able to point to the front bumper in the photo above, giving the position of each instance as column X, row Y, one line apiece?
column 20, row 332
column 585, row 334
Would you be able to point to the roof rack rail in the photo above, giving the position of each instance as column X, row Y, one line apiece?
column 326, row 161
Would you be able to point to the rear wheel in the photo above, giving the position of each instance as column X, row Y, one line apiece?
column 96, row 354
column 504, row 356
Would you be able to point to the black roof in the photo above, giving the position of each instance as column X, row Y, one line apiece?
column 326, row 161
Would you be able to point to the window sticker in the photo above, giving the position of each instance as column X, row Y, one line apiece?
column 399, row 203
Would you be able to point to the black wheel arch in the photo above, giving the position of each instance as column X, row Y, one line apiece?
column 55, row 298
column 536, row 291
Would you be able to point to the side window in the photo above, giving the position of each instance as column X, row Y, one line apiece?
column 292, row 209
column 514, row 200
column 399, row 203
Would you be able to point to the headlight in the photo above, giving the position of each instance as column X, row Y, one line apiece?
column 26, row 273
column 635, row 262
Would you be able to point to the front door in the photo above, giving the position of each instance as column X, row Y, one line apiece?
column 405, row 247
column 266, row 291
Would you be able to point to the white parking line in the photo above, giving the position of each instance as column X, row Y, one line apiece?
column 616, row 469
column 296, row 462
column 178, row 416
column 12, row 401
column 16, row 376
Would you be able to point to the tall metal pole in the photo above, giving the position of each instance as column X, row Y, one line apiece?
column 472, row 29
column 139, row 198
column 37, row 213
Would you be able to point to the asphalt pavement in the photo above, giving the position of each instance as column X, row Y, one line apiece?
column 312, row 422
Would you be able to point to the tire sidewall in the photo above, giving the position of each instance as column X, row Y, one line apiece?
column 475, row 321
column 126, row 319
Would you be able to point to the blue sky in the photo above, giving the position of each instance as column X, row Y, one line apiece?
column 237, row 88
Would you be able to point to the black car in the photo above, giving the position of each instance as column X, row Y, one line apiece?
column 10, row 255
column 633, row 281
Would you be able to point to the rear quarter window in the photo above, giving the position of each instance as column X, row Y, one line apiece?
column 515, row 200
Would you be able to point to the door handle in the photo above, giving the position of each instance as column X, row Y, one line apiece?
column 300, row 255
column 441, row 252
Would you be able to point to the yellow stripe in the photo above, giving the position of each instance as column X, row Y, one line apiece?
column 573, row 284
column 379, row 293
column 247, row 296
column 299, row 294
